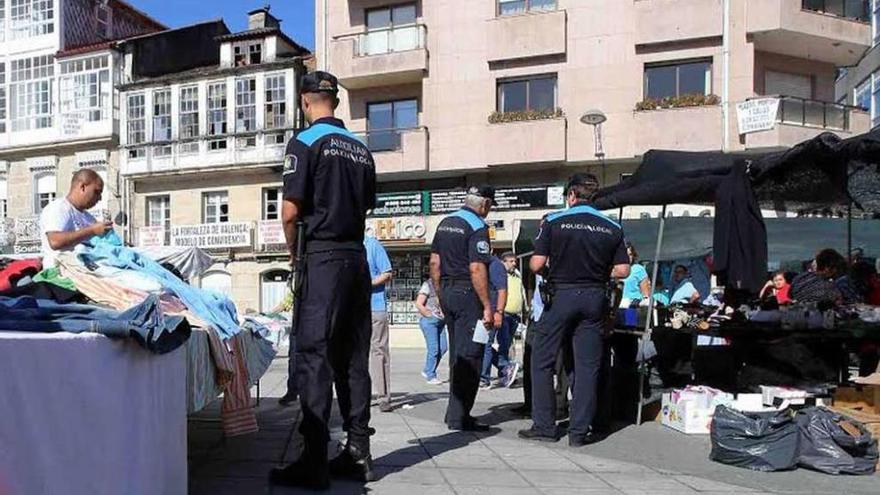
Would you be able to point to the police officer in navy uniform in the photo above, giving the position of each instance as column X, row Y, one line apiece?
column 330, row 184
column 583, row 248
column 460, row 257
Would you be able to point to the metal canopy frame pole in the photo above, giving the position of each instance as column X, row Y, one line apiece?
column 650, row 319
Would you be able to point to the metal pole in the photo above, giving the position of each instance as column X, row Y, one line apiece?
column 650, row 319
column 849, row 246
column 725, row 76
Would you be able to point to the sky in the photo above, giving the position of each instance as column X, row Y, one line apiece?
column 297, row 16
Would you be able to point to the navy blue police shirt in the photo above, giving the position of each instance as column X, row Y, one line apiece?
column 462, row 238
column 583, row 245
column 331, row 173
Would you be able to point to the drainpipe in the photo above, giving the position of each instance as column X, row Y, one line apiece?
column 324, row 55
column 725, row 75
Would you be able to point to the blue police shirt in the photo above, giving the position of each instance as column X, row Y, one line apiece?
column 462, row 238
column 331, row 173
column 582, row 244
column 497, row 280
column 377, row 259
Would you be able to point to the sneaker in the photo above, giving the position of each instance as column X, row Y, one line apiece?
column 386, row 407
column 435, row 381
column 485, row 385
column 533, row 434
column 353, row 465
column 425, row 376
column 302, row 474
column 582, row 441
column 509, row 375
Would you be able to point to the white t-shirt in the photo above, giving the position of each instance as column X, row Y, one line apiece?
column 60, row 216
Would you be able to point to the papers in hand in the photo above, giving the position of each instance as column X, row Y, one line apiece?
column 481, row 335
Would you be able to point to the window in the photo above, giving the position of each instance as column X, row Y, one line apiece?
column 159, row 214
column 103, row 19
column 875, row 18
column 851, row 9
column 3, row 193
column 2, row 20
column 786, row 84
column 216, row 207
column 875, row 101
column 386, row 119
column 679, row 79
column 44, row 191
column 527, row 94
column 276, row 106
column 247, row 53
column 272, row 203
column 217, row 115
column 273, row 289
column 162, row 121
column 137, row 121
column 862, row 95
column 513, row 7
column 245, row 105
column 391, row 29
column 31, row 93
column 85, row 91
column 189, row 119
column 31, row 18
column 2, row 91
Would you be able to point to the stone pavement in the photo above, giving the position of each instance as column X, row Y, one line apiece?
column 416, row 454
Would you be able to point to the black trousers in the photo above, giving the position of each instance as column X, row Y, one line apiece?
column 333, row 346
column 462, row 309
column 576, row 315
column 564, row 370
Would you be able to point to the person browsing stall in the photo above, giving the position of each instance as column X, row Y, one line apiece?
column 460, row 257
column 636, row 287
column 65, row 223
column 584, row 249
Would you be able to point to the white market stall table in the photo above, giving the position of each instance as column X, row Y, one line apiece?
column 84, row 414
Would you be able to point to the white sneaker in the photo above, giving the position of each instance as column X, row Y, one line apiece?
column 510, row 375
column 435, row 381
column 424, row 375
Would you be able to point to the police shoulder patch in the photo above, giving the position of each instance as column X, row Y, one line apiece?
column 483, row 247
column 290, row 163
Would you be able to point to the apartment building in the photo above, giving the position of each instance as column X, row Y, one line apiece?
column 521, row 93
column 859, row 84
column 58, row 108
column 203, row 136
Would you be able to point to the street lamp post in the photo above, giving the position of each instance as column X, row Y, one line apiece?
column 595, row 118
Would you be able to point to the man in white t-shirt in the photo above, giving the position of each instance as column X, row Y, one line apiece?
column 65, row 223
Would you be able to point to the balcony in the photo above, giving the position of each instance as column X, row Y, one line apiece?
column 380, row 58
column 686, row 129
column 534, row 34
column 398, row 150
column 799, row 119
column 835, row 32
column 530, row 141
column 664, row 21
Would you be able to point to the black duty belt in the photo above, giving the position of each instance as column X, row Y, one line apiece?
column 455, row 282
column 320, row 246
column 581, row 285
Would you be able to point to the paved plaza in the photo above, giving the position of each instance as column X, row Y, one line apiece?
column 416, row 455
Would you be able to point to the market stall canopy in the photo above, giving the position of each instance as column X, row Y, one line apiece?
column 789, row 239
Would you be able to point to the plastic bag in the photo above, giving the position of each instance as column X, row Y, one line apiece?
column 828, row 447
column 762, row 441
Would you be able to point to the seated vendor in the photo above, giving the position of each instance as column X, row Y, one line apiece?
column 778, row 288
column 825, row 282
column 682, row 290
column 66, row 223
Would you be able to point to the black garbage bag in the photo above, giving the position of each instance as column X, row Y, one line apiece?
column 762, row 441
column 828, row 447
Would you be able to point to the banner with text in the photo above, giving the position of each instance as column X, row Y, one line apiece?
column 757, row 115
column 151, row 236
column 411, row 229
column 212, row 235
column 270, row 232
column 508, row 198
column 399, row 204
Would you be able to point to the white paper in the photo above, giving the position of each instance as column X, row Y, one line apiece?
column 481, row 335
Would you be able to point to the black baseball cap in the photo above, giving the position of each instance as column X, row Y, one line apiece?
column 487, row 192
column 581, row 179
column 319, row 82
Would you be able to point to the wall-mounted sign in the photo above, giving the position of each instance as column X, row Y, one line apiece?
column 151, row 236
column 399, row 204
column 757, row 115
column 398, row 228
column 212, row 235
column 508, row 198
column 270, row 232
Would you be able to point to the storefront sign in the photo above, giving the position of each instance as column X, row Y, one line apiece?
column 151, row 236
column 397, row 229
column 270, row 232
column 757, row 115
column 398, row 204
column 212, row 235
column 508, row 198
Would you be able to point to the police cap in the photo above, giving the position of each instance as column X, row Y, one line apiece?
column 486, row 192
column 319, row 82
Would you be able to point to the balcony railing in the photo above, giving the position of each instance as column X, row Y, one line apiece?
column 858, row 10
column 813, row 113
column 390, row 40
column 379, row 140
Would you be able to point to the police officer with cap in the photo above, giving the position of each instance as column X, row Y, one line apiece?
column 460, row 257
column 583, row 248
column 330, row 184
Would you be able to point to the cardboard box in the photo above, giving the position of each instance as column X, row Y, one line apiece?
column 794, row 396
column 690, row 410
column 861, row 397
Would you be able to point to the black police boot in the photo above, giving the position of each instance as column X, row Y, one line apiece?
column 584, row 440
column 533, row 434
column 354, row 463
column 288, row 399
column 524, row 411
column 469, row 424
column 303, row 474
